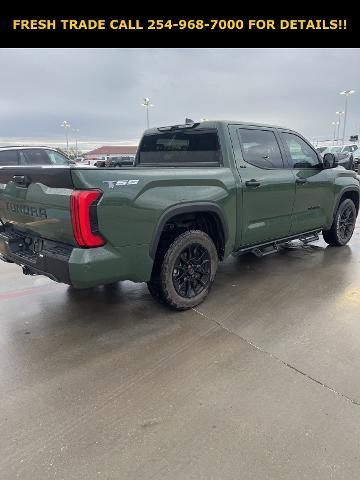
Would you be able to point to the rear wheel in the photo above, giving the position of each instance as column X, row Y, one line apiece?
column 343, row 225
column 184, row 274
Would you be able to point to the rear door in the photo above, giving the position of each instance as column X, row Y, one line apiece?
column 314, row 188
column 268, row 184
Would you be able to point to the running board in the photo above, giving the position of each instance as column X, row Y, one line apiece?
column 274, row 246
column 263, row 251
column 309, row 238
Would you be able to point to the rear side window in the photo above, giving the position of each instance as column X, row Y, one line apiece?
column 180, row 148
column 34, row 157
column 8, row 157
column 260, row 148
column 56, row 158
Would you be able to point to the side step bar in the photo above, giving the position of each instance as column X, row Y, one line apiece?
column 309, row 238
column 274, row 246
column 263, row 251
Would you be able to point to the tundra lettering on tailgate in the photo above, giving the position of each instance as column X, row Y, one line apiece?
column 26, row 210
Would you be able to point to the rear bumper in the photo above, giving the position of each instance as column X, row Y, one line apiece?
column 51, row 259
column 79, row 267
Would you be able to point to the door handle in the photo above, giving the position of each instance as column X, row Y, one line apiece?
column 300, row 181
column 21, row 180
column 252, row 183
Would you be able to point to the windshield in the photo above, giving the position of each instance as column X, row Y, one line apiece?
column 180, row 147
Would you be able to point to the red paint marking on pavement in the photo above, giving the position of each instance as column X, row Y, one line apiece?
column 24, row 293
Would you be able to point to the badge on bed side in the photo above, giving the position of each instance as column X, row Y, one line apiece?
column 120, row 183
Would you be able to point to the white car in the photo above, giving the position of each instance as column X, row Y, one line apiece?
column 347, row 155
column 341, row 149
column 89, row 162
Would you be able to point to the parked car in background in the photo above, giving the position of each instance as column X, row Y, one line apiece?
column 350, row 148
column 86, row 162
column 344, row 155
column 113, row 162
column 27, row 155
column 356, row 155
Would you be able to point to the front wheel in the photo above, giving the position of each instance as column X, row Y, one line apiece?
column 184, row 275
column 343, row 225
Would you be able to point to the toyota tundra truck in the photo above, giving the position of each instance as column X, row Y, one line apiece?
column 196, row 194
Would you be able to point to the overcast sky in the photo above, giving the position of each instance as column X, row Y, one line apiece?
column 100, row 91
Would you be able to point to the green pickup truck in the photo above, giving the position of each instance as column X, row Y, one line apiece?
column 196, row 194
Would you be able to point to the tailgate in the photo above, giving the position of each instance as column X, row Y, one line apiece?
column 36, row 201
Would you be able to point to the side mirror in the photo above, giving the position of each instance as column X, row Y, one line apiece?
column 330, row 160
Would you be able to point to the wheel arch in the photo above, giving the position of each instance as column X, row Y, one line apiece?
column 351, row 193
column 188, row 208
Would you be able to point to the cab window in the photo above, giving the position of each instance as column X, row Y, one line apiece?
column 8, row 157
column 260, row 148
column 186, row 147
column 300, row 153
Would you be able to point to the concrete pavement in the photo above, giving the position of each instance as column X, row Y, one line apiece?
column 258, row 382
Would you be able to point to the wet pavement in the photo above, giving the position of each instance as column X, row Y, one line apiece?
column 261, row 381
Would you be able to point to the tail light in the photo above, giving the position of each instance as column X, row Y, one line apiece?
column 84, row 218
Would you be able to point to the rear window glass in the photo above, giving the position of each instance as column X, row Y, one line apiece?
column 180, row 148
column 8, row 157
column 35, row 157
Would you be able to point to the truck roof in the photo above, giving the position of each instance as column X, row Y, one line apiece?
column 214, row 124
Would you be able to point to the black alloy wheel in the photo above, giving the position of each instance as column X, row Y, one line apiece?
column 192, row 271
column 184, row 270
column 346, row 223
column 343, row 225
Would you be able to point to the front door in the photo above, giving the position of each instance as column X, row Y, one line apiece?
column 267, row 185
column 314, row 191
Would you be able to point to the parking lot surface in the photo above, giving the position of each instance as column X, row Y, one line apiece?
column 258, row 382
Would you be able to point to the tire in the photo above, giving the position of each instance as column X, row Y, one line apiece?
column 343, row 225
column 184, row 271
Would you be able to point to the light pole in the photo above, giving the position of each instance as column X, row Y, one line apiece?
column 335, row 125
column 76, row 131
column 339, row 114
column 347, row 94
column 66, row 125
column 147, row 104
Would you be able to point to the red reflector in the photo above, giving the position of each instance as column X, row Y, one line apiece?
column 81, row 202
